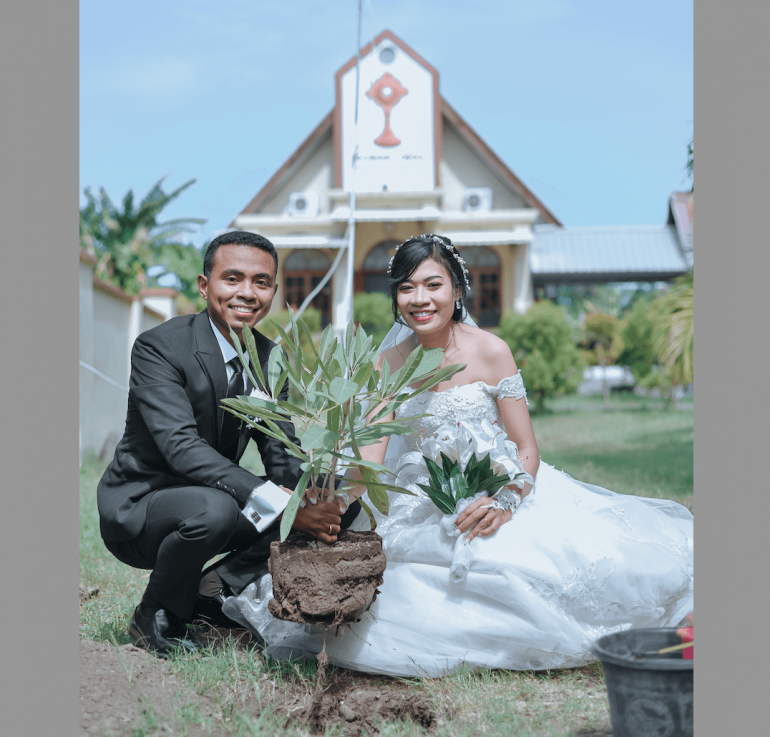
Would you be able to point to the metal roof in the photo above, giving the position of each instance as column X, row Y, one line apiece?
column 606, row 253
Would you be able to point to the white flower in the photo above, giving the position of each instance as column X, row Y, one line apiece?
column 459, row 441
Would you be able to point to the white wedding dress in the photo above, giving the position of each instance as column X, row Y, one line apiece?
column 575, row 562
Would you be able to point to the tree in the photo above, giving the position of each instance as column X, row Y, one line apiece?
column 638, row 353
column 127, row 241
column 601, row 332
column 673, row 329
column 542, row 344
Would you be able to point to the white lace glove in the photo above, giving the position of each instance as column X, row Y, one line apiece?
column 505, row 499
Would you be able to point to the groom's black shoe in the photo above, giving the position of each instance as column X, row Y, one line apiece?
column 208, row 605
column 161, row 632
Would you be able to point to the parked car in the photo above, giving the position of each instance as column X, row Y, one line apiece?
column 618, row 377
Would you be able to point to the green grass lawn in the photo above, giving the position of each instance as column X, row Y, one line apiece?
column 631, row 451
column 640, row 451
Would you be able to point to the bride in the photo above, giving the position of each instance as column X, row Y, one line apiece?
column 528, row 579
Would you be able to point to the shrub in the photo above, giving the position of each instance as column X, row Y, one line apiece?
column 638, row 353
column 373, row 312
column 542, row 344
column 601, row 336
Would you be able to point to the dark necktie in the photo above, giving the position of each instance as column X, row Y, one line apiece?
column 230, row 423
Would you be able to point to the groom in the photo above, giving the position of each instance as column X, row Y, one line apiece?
column 171, row 498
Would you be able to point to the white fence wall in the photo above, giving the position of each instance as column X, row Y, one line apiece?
column 110, row 321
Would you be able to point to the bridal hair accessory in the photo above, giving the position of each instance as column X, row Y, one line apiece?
column 441, row 242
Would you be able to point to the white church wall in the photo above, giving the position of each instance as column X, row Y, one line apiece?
column 315, row 175
column 461, row 168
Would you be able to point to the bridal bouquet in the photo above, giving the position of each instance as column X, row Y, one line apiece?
column 476, row 459
column 462, row 460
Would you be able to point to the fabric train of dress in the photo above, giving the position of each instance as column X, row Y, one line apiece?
column 574, row 563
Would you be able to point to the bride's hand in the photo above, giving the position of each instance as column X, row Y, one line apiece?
column 483, row 521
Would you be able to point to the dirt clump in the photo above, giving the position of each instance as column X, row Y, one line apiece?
column 356, row 705
column 320, row 584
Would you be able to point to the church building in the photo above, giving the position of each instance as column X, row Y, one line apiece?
column 415, row 167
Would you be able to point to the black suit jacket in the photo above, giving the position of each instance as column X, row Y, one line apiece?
column 173, row 427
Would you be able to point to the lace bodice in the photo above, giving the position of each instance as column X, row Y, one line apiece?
column 461, row 402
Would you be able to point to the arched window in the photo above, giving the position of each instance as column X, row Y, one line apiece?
column 483, row 266
column 302, row 271
column 373, row 276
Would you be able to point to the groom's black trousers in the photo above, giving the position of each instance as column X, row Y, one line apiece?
column 186, row 527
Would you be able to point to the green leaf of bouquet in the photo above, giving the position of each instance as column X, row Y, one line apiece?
column 442, row 501
column 434, row 471
column 447, row 464
column 342, row 389
column 290, row 513
column 460, row 487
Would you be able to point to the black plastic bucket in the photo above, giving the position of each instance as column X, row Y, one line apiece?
column 650, row 695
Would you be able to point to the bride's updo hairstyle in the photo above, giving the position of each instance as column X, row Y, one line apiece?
column 411, row 253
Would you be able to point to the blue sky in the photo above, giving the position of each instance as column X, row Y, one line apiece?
column 590, row 103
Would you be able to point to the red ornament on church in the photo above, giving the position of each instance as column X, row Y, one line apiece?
column 386, row 92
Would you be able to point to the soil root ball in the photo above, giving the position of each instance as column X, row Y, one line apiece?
column 331, row 585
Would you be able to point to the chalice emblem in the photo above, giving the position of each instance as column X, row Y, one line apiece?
column 386, row 92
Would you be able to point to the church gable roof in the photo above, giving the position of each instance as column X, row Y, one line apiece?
column 445, row 115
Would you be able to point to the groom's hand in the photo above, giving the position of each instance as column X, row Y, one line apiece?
column 321, row 520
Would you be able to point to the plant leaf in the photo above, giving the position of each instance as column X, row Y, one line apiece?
column 290, row 513
column 342, row 389
column 318, row 437
column 441, row 500
column 367, row 509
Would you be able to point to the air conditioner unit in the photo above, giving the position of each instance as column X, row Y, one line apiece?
column 302, row 204
column 477, row 199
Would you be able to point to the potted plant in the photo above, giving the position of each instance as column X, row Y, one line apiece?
column 337, row 384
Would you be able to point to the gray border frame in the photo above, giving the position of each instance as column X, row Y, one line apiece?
column 39, row 66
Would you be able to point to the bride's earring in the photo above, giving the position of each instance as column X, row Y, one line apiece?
column 458, row 304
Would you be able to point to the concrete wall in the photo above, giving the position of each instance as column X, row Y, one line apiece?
column 110, row 321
